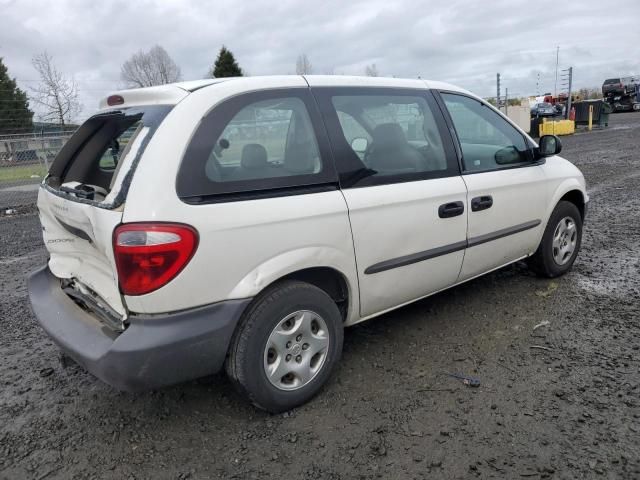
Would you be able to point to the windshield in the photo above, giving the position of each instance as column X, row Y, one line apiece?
column 611, row 81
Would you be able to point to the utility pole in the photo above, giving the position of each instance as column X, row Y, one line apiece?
column 567, row 82
column 506, row 101
column 498, row 91
column 555, row 87
column 569, row 93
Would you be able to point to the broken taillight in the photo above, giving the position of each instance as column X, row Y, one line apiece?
column 150, row 255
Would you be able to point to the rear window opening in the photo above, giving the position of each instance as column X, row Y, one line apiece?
column 97, row 162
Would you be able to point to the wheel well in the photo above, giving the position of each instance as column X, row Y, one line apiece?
column 575, row 197
column 327, row 279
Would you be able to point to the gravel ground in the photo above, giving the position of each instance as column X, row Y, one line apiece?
column 570, row 410
column 16, row 194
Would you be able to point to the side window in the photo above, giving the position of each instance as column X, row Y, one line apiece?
column 270, row 138
column 254, row 142
column 391, row 135
column 354, row 133
column 488, row 142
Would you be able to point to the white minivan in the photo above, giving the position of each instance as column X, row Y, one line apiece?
column 244, row 222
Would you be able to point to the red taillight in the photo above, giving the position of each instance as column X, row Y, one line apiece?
column 115, row 100
column 150, row 255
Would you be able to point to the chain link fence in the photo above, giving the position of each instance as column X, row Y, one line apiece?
column 24, row 161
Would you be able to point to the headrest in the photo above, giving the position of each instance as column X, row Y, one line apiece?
column 388, row 134
column 253, row 155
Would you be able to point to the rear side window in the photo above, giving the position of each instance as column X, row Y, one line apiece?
column 268, row 138
column 256, row 142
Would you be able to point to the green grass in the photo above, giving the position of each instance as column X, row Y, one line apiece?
column 21, row 172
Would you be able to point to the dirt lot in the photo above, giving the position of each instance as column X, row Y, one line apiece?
column 571, row 410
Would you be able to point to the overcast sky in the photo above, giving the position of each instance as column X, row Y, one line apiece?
column 463, row 42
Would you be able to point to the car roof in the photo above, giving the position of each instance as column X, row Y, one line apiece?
column 172, row 93
column 389, row 82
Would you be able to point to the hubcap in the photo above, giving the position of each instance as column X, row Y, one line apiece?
column 296, row 350
column 564, row 242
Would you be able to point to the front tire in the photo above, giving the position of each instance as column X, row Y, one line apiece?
column 286, row 346
column 560, row 243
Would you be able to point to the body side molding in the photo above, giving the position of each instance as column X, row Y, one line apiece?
column 451, row 248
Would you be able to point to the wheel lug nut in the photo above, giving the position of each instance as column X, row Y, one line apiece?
column 298, row 338
column 305, row 346
column 288, row 344
column 288, row 357
column 298, row 359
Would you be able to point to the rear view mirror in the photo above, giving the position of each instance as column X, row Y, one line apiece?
column 549, row 145
column 359, row 145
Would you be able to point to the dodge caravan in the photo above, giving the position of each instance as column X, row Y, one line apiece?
column 242, row 223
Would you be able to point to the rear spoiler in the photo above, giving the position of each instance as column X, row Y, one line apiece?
column 160, row 95
column 169, row 94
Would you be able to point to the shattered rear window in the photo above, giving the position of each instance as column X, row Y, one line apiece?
column 97, row 163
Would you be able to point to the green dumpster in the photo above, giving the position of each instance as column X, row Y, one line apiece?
column 601, row 112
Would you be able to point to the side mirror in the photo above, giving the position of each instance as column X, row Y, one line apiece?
column 507, row 156
column 549, row 145
column 359, row 145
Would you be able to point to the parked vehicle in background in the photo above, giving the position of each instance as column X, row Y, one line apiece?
column 243, row 223
column 543, row 110
column 618, row 86
column 620, row 93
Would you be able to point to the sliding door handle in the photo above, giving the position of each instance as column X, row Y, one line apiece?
column 481, row 203
column 451, row 209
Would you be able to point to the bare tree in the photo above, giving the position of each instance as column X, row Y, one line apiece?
column 146, row 69
column 371, row 70
column 56, row 94
column 303, row 65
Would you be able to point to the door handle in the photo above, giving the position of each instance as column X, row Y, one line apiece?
column 481, row 203
column 451, row 209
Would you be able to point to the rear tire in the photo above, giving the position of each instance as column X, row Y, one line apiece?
column 286, row 346
column 560, row 243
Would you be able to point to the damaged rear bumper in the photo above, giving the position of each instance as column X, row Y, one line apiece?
column 154, row 350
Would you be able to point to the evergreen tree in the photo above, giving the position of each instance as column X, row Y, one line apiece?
column 226, row 65
column 15, row 114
